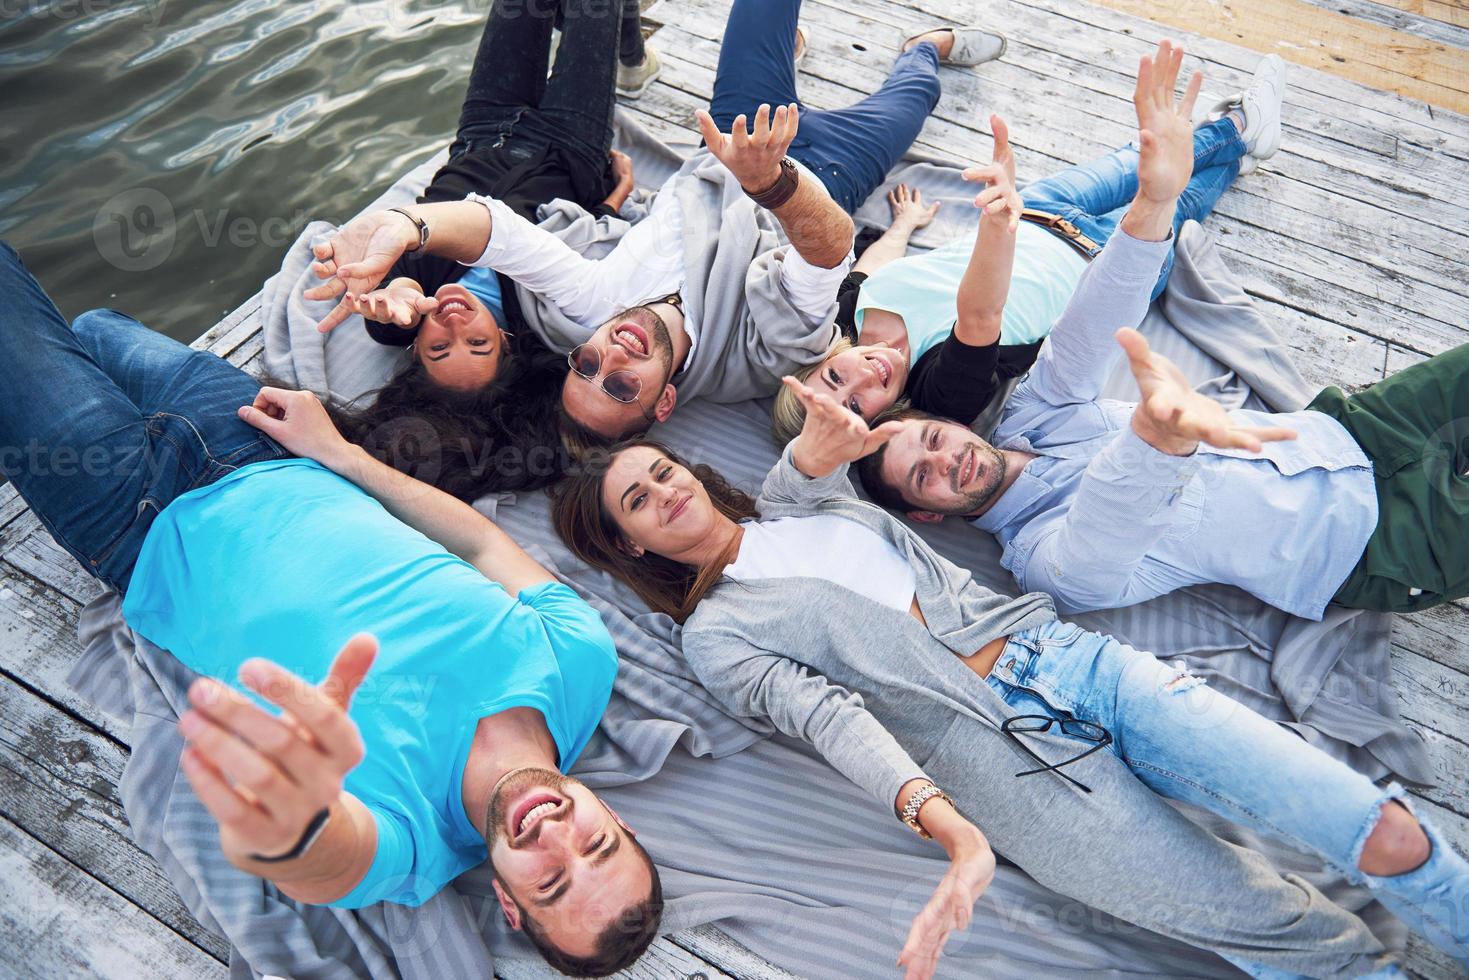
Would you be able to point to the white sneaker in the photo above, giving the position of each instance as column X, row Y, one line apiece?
column 633, row 80
column 1260, row 105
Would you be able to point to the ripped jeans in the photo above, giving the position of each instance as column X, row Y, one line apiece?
column 1188, row 742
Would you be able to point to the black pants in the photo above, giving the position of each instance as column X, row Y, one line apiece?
column 509, row 94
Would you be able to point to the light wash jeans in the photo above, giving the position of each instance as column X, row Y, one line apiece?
column 1188, row 742
column 1095, row 195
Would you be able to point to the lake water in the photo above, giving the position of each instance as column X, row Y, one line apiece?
column 158, row 156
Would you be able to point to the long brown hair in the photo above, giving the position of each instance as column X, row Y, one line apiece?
column 589, row 530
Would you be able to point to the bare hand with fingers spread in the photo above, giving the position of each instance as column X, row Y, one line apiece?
column 832, row 435
column 357, row 257
column 401, row 303
column 753, row 155
column 265, row 778
column 909, row 211
column 1173, row 418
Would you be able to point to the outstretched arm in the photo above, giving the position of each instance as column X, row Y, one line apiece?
column 986, row 283
column 819, row 230
column 909, row 214
column 1117, row 287
column 1135, row 489
column 265, row 777
column 835, row 722
column 297, row 420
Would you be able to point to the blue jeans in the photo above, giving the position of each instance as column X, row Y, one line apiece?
column 105, row 422
column 1187, row 741
column 1094, row 196
column 850, row 149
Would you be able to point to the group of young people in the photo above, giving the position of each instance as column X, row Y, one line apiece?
column 239, row 520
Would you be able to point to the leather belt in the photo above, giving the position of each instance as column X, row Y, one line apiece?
column 1064, row 229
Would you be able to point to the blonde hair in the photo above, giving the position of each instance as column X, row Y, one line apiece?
column 788, row 415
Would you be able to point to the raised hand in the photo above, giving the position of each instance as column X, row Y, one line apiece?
column 264, row 777
column 753, row 156
column 909, row 212
column 1165, row 124
column 400, row 303
column 1173, row 418
column 299, row 422
column 952, row 907
column 832, row 435
column 356, row 257
column 1000, row 200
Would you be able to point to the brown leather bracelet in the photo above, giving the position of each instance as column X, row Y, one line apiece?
column 782, row 190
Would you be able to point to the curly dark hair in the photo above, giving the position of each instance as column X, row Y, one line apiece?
column 503, row 436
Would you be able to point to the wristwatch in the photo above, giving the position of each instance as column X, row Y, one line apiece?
column 909, row 813
column 418, row 223
column 313, row 830
column 782, row 190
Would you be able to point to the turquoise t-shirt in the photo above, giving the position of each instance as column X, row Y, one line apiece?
column 286, row 560
column 924, row 288
column 485, row 285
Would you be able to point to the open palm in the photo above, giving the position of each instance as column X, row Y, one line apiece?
column 1165, row 124
column 356, row 258
column 1173, row 418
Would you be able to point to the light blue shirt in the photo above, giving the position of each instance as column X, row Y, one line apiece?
column 1103, row 520
column 924, row 288
column 285, row 560
column 485, row 285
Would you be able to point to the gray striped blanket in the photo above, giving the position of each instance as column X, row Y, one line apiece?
column 752, row 832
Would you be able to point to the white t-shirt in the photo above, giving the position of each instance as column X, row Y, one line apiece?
column 644, row 265
column 825, row 546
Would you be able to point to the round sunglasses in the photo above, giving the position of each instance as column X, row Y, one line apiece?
column 622, row 386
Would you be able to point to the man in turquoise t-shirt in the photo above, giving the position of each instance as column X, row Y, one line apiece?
column 481, row 681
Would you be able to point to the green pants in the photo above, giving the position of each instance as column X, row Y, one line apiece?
column 1414, row 426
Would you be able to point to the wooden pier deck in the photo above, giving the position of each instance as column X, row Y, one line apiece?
column 1353, row 241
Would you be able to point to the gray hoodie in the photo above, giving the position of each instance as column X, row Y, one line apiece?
column 885, row 699
column 750, row 335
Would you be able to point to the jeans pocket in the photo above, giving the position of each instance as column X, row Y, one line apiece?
column 113, row 564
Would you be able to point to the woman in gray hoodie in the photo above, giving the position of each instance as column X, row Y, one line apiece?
column 829, row 619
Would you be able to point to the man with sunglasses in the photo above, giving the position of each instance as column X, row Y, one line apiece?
column 699, row 298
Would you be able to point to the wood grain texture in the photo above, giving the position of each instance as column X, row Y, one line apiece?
column 1351, row 240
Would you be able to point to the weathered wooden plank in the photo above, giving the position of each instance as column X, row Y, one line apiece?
column 1361, row 294
column 37, row 554
column 663, row 960
column 38, row 645
column 1335, row 96
column 713, row 946
column 1403, row 15
column 70, row 924
column 59, row 780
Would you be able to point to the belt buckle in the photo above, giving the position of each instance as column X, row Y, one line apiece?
column 1067, row 228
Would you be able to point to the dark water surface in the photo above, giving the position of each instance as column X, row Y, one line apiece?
column 158, row 156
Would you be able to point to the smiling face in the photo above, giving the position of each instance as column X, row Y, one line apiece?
column 635, row 341
column 563, row 859
column 865, row 380
column 942, row 467
column 658, row 505
column 460, row 345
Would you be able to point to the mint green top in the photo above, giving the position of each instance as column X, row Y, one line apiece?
column 923, row 289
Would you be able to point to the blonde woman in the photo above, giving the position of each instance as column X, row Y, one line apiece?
column 945, row 328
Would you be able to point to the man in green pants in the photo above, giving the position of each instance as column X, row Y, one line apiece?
column 1362, row 500
column 1415, row 428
